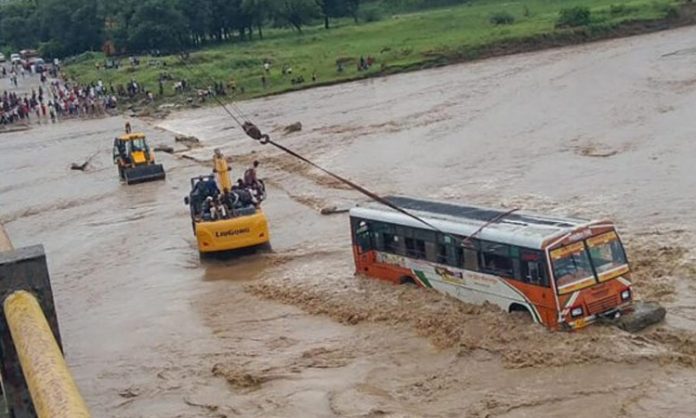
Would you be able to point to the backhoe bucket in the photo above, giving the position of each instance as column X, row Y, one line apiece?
column 143, row 173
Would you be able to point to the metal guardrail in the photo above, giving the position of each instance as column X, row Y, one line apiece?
column 36, row 378
column 52, row 387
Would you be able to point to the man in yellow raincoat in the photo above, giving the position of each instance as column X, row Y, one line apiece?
column 221, row 170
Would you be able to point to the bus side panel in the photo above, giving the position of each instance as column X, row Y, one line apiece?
column 475, row 287
column 542, row 298
column 366, row 263
column 470, row 287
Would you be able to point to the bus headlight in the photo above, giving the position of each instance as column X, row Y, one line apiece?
column 626, row 294
column 575, row 312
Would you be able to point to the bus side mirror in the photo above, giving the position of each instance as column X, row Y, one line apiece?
column 186, row 200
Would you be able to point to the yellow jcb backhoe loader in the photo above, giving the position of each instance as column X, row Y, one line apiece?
column 135, row 159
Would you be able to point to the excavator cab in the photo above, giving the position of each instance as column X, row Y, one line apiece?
column 135, row 160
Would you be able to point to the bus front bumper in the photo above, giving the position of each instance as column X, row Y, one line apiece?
column 613, row 314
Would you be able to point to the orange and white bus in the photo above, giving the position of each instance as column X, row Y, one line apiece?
column 564, row 272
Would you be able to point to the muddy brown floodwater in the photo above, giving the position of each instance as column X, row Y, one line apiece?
column 605, row 129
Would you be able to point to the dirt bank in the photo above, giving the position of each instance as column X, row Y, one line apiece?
column 684, row 15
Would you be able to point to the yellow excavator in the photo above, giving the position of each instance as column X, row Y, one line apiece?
column 135, row 160
column 227, row 216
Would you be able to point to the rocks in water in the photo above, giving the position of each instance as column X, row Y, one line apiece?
column 164, row 148
column 295, row 127
column 331, row 210
column 189, row 141
column 79, row 167
column 83, row 166
column 644, row 314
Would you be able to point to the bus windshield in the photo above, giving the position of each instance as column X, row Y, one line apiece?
column 572, row 268
column 607, row 255
column 573, row 264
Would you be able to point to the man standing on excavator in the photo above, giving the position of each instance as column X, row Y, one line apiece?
column 221, row 170
column 250, row 179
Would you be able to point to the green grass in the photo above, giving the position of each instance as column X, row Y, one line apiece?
column 397, row 42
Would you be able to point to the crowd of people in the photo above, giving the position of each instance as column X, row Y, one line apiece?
column 58, row 98
column 365, row 64
column 244, row 197
column 52, row 100
column 75, row 100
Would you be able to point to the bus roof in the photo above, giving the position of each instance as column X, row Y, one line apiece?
column 518, row 228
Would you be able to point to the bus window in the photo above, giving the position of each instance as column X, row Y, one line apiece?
column 415, row 248
column 516, row 269
column 362, row 237
column 431, row 251
column 471, row 260
column 403, row 231
column 533, row 268
column 467, row 258
column 379, row 232
column 533, row 272
column 496, row 259
column 425, row 235
column 442, row 257
column 378, row 241
column 391, row 243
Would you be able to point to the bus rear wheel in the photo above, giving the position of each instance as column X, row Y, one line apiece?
column 407, row 281
column 521, row 312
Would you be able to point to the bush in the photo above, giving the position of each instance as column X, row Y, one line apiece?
column 669, row 11
column 240, row 63
column 81, row 58
column 372, row 14
column 600, row 29
column 621, row 9
column 51, row 49
column 502, row 18
column 573, row 17
column 617, row 9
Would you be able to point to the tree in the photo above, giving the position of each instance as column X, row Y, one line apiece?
column 352, row 7
column 71, row 26
column 295, row 13
column 258, row 11
column 221, row 22
column 330, row 8
column 198, row 14
column 117, row 16
column 239, row 18
column 17, row 25
column 157, row 24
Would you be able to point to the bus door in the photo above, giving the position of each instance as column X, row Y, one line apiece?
column 362, row 242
